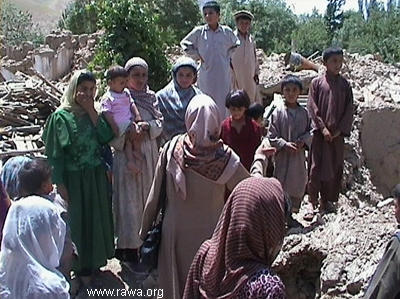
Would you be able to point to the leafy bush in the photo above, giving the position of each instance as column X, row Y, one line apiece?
column 311, row 34
column 273, row 22
column 131, row 30
column 80, row 16
column 177, row 17
column 17, row 26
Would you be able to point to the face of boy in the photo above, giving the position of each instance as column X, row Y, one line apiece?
column 334, row 64
column 46, row 187
column 397, row 209
column 137, row 78
column 85, row 90
column 185, row 77
column 211, row 16
column 237, row 113
column 291, row 93
column 243, row 25
column 117, row 84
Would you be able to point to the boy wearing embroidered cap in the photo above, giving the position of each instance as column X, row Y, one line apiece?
column 244, row 60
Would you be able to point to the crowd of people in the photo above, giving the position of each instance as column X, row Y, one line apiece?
column 198, row 152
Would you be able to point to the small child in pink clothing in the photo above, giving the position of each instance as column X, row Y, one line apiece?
column 123, row 116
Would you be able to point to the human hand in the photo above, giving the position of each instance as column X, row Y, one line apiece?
column 299, row 144
column 327, row 135
column 337, row 133
column 291, row 147
column 144, row 125
column 265, row 150
column 87, row 103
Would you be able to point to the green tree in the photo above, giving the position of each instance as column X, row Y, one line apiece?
column 80, row 16
column 311, row 34
column 131, row 30
column 273, row 22
column 177, row 17
column 334, row 17
column 17, row 26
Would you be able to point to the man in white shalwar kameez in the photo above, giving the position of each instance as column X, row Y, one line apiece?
column 212, row 44
column 244, row 59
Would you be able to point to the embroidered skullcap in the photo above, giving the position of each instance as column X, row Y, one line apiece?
column 136, row 61
column 243, row 13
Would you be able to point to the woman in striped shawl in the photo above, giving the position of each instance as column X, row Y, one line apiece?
column 236, row 261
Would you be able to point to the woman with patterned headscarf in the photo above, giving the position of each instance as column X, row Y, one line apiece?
column 130, row 192
column 198, row 168
column 175, row 97
column 73, row 136
column 235, row 263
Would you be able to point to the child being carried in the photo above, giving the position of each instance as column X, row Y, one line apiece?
column 123, row 116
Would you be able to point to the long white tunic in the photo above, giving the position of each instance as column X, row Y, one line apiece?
column 214, row 49
column 245, row 66
column 129, row 191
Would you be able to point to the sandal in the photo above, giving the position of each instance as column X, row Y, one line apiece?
column 309, row 215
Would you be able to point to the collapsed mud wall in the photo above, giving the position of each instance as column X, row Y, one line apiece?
column 61, row 53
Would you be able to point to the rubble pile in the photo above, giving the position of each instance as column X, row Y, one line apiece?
column 86, row 50
column 25, row 104
column 336, row 256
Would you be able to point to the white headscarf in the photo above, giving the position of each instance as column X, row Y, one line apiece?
column 33, row 240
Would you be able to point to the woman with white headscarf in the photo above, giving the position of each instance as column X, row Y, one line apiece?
column 73, row 136
column 33, row 239
column 198, row 168
column 130, row 192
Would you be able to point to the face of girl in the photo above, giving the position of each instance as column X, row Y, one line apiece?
column 291, row 92
column 185, row 76
column 137, row 78
column 211, row 16
column 237, row 113
column 85, row 90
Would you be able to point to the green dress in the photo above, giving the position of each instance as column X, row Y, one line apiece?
column 73, row 147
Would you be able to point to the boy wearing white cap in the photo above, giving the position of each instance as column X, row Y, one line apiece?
column 244, row 60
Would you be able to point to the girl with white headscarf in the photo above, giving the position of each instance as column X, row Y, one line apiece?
column 176, row 96
column 33, row 239
column 198, row 168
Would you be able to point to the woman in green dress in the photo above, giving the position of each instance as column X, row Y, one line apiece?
column 73, row 137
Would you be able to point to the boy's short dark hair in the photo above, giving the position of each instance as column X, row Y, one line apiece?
column 33, row 174
column 86, row 76
column 237, row 98
column 212, row 4
column 291, row 79
column 255, row 111
column 115, row 72
column 330, row 52
column 396, row 192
